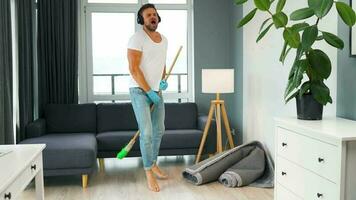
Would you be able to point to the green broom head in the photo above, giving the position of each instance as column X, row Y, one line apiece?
column 122, row 154
column 124, row 151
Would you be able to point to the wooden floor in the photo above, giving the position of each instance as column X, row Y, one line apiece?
column 124, row 179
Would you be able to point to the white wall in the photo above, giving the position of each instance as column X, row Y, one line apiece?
column 265, row 78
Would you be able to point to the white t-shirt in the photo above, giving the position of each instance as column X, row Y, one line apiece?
column 153, row 58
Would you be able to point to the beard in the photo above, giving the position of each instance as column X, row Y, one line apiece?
column 151, row 26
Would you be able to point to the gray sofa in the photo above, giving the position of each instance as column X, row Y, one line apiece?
column 77, row 134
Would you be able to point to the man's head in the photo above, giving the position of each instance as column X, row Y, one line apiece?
column 148, row 17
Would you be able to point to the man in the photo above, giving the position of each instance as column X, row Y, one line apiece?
column 147, row 50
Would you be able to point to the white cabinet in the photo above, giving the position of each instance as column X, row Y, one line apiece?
column 18, row 168
column 315, row 159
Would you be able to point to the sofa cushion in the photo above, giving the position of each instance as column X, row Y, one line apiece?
column 66, row 151
column 179, row 139
column 70, row 118
column 172, row 139
column 115, row 117
column 181, row 116
column 115, row 140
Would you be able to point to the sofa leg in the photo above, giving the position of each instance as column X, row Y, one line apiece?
column 85, row 180
column 101, row 164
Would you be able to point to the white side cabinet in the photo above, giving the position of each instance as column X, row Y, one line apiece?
column 18, row 168
column 315, row 159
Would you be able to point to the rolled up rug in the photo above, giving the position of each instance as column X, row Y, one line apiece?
column 246, row 171
column 210, row 169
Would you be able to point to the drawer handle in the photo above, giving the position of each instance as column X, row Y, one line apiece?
column 284, row 173
column 33, row 167
column 321, row 160
column 7, row 196
column 284, row 144
column 319, row 195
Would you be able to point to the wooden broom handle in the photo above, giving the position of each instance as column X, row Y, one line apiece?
column 174, row 62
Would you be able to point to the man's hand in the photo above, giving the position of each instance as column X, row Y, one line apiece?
column 153, row 96
column 163, row 85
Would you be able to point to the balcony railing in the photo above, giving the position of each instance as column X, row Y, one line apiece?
column 178, row 75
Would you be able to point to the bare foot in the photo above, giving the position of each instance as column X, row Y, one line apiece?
column 151, row 181
column 159, row 173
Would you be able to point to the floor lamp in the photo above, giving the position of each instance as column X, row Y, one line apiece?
column 217, row 81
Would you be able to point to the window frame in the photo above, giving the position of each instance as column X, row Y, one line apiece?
column 86, row 87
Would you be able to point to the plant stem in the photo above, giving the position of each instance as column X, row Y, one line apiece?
column 317, row 21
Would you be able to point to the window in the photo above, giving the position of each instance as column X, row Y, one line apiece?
column 112, row 1
column 168, row 1
column 107, row 26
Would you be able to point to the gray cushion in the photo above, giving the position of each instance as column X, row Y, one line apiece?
column 115, row 117
column 179, row 139
column 181, row 116
column 70, row 118
column 115, row 140
column 65, row 151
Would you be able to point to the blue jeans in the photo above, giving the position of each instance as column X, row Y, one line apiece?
column 150, row 124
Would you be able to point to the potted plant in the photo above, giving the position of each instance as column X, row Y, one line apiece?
column 313, row 64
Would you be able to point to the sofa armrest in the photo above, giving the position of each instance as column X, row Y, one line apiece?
column 210, row 143
column 36, row 128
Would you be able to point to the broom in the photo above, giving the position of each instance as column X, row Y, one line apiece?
column 124, row 151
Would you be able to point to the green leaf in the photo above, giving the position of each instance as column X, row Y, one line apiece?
column 320, row 7
column 280, row 19
column 289, row 89
column 298, row 55
column 263, row 24
column 320, row 63
column 290, row 84
column 333, row 40
column 300, row 14
column 288, row 50
column 320, row 92
column 262, row 4
column 330, row 100
column 292, row 96
column 296, row 74
column 300, row 70
column 280, row 5
column 238, row 2
column 346, row 13
column 309, row 36
column 247, row 18
column 263, row 33
column 284, row 52
column 304, row 88
column 300, row 26
column 292, row 37
column 320, row 37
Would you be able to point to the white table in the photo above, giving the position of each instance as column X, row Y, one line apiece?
column 18, row 168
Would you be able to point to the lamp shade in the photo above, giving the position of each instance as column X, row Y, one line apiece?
column 217, row 80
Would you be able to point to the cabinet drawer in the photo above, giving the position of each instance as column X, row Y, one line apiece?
column 283, row 194
column 18, row 185
column 23, row 179
column 304, row 183
column 319, row 157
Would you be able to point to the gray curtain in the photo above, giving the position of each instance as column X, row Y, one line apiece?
column 25, row 27
column 57, row 52
column 6, row 126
